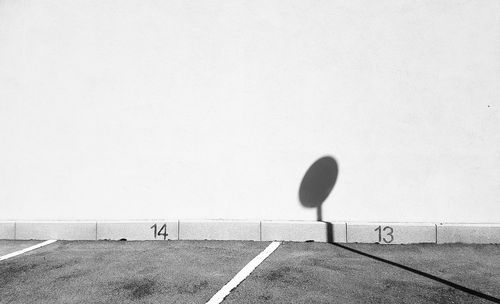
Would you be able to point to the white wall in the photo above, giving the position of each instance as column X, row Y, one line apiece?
column 137, row 109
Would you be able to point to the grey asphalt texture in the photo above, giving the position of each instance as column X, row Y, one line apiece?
column 325, row 273
column 193, row 271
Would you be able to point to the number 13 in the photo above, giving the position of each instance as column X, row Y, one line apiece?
column 389, row 233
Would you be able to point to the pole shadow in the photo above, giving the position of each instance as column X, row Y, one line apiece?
column 316, row 186
column 424, row 274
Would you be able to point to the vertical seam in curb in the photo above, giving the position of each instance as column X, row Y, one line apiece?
column 436, row 227
column 260, row 231
column 15, row 230
column 346, row 232
column 96, row 231
column 333, row 232
column 178, row 230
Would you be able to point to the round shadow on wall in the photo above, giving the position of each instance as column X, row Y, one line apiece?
column 318, row 182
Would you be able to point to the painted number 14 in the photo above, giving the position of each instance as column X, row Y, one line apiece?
column 161, row 232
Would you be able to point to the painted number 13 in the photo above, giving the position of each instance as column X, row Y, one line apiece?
column 161, row 232
column 389, row 237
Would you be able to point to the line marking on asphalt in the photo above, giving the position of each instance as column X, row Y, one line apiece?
column 243, row 274
column 16, row 253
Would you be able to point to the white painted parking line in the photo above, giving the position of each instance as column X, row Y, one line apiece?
column 13, row 254
column 243, row 274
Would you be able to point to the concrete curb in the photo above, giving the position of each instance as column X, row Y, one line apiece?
column 41, row 230
column 138, row 230
column 468, row 233
column 300, row 231
column 391, row 233
column 7, row 230
column 219, row 230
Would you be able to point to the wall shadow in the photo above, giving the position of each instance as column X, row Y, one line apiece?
column 316, row 186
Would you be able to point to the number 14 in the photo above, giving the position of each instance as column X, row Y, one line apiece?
column 161, row 232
